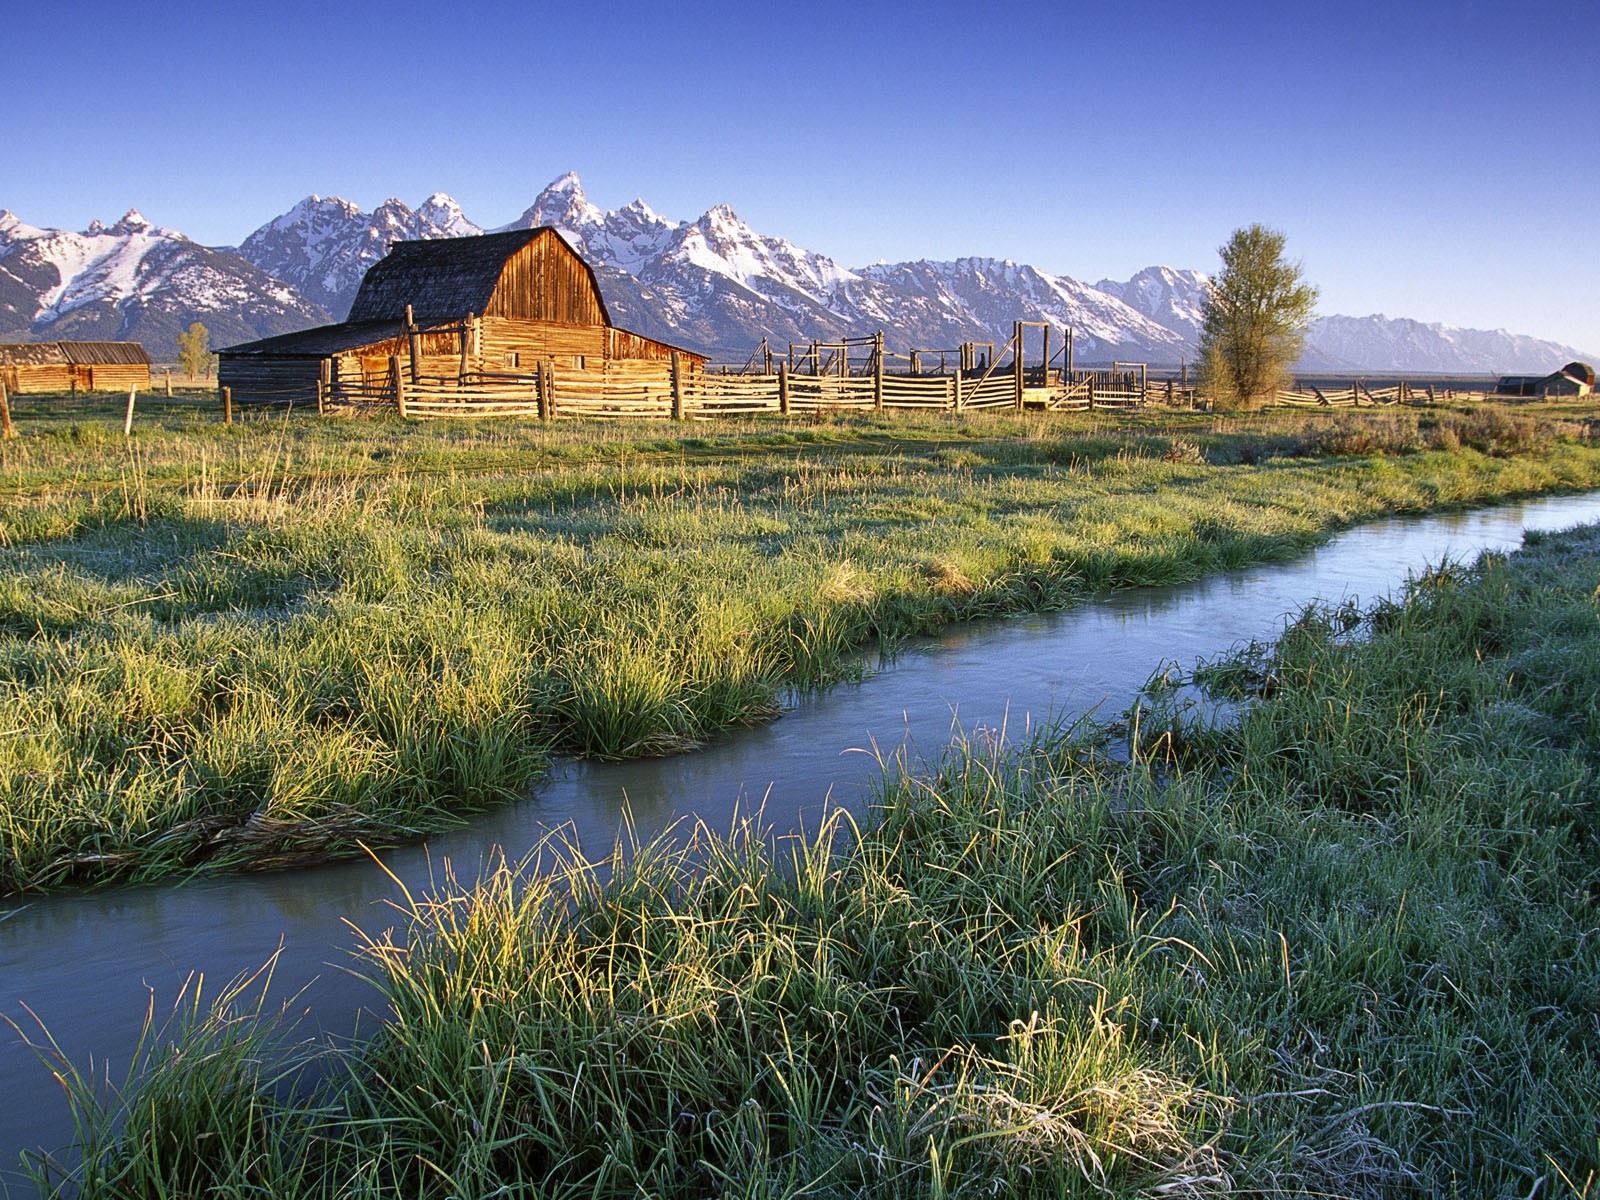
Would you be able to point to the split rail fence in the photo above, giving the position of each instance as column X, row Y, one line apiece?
column 855, row 374
column 552, row 392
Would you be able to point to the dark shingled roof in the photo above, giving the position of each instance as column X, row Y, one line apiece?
column 322, row 341
column 439, row 277
column 38, row 354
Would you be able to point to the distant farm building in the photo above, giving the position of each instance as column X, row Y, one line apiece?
column 1574, row 379
column 73, row 366
column 472, row 311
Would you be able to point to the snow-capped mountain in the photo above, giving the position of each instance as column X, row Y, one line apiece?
column 984, row 296
column 717, row 284
column 324, row 246
column 713, row 284
column 627, row 239
column 135, row 281
column 1401, row 344
column 1173, row 299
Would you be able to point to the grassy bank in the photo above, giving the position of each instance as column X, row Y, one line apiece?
column 236, row 647
column 1342, row 948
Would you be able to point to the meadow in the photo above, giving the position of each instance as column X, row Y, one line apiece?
column 245, row 646
column 1341, row 945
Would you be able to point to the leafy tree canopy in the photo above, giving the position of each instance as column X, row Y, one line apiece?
column 1255, row 319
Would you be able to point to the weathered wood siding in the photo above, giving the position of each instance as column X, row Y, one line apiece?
column 261, row 380
column 531, row 341
column 119, row 377
column 44, row 377
column 547, row 281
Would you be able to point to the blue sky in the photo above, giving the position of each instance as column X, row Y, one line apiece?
column 1432, row 160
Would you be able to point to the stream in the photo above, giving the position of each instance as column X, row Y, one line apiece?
column 89, row 964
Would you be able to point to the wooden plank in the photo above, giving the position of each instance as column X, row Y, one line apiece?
column 7, row 430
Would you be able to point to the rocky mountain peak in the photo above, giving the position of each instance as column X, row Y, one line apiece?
column 133, row 221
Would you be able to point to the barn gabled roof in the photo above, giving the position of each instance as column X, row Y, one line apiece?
column 40, row 354
column 449, row 277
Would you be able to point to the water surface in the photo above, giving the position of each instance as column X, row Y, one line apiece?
column 87, row 964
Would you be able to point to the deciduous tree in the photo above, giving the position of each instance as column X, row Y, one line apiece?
column 194, row 350
column 1255, row 319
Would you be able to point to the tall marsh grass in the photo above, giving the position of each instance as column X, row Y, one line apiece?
column 235, row 647
column 1342, row 947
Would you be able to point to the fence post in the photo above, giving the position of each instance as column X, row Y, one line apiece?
column 399, row 385
column 169, row 383
column 547, row 376
column 324, row 382
column 227, row 406
column 783, row 388
column 411, row 343
column 1091, row 393
column 7, row 430
column 677, row 389
column 1016, row 362
column 877, row 372
column 958, row 389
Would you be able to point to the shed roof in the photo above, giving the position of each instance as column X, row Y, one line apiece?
column 39, row 354
column 449, row 277
column 323, row 340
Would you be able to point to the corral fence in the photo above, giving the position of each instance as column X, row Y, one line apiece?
column 1033, row 370
column 852, row 374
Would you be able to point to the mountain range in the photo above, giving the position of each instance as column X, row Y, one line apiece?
column 713, row 284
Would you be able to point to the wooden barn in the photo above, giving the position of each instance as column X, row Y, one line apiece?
column 73, row 366
column 1574, row 379
column 471, row 311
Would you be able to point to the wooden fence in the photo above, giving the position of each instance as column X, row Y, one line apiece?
column 654, row 391
column 669, row 390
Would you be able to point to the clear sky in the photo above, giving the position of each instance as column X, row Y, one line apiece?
column 1425, row 159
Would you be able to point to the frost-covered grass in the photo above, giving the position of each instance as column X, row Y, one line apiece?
column 236, row 647
column 1341, row 948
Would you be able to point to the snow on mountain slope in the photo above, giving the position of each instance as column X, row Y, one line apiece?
column 324, row 246
column 135, row 281
column 989, row 294
column 627, row 239
column 1170, row 297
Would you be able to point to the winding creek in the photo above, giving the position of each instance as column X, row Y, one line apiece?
column 87, row 964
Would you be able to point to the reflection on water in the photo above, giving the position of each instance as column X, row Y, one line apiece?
column 84, row 963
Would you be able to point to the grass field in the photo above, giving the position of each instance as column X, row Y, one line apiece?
column 1342, row 947
column 229, row 647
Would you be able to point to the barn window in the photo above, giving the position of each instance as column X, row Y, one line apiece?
column 577, row 361
column 513, row 359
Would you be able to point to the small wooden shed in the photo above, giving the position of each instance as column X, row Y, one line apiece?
column 484, row 308
column 73, row 366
